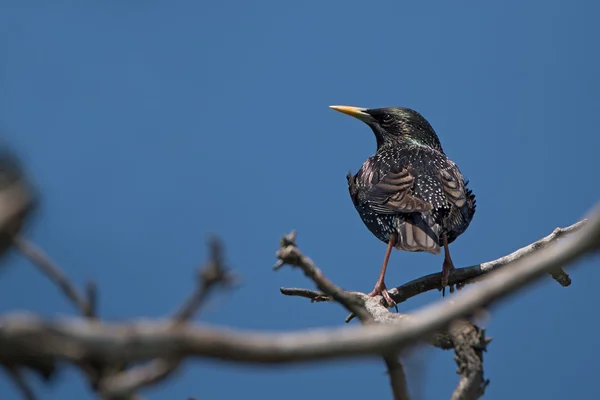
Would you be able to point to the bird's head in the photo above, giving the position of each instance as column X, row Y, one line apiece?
column 395, row 125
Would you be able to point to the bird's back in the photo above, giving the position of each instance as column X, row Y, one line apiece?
column 416, row 191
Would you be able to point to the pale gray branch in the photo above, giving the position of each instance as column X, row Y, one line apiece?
column 558, row 274
column 461, row 276
column 467, row 340
column 289, row 254
column 464, row 276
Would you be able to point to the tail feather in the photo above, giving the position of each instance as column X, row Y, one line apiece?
column 419, row 233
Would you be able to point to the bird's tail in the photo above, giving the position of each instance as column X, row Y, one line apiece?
column 419, row 232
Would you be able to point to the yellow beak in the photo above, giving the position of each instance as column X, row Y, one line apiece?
column 356, row 112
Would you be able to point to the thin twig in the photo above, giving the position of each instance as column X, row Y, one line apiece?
column 85, row 303
column 290, row 254
column 213, row 274
column 313, row 295
column 20, row 382
column 53, row 272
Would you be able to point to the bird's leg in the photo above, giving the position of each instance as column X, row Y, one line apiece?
column 447, row 266
column 380, row 285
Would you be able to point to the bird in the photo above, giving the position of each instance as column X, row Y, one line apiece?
column 409, row 194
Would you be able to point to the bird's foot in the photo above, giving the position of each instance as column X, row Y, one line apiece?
column 380, row 289
column 446, row 268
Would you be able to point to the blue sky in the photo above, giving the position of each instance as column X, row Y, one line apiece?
column 149, row 125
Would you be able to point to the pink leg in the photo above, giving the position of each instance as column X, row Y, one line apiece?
column 380, row 288
column 446, row 267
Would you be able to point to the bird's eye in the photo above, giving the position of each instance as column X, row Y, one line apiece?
column 386, row 118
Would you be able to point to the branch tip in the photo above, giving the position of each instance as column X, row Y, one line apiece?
column 278, row 265
column 288, row 240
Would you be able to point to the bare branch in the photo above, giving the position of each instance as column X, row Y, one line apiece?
column 212, row 274
column 458, row 276
column 397, row 377
column 469, row 344
column 54, row 273
column 313, row 295
column 86, row 303
column 20, row 382
column 290, row 254
column 127, row 382
column 475, row 273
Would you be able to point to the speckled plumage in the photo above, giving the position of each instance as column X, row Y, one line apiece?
column 411, row 187
column 434, row 199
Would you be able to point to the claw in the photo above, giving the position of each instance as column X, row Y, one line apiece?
column 380, row 289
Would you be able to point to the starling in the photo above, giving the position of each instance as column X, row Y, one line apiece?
column 409, row 194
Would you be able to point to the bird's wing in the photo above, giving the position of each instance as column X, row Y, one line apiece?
column 437, row 179
column 394, row 193
column 453, row 185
